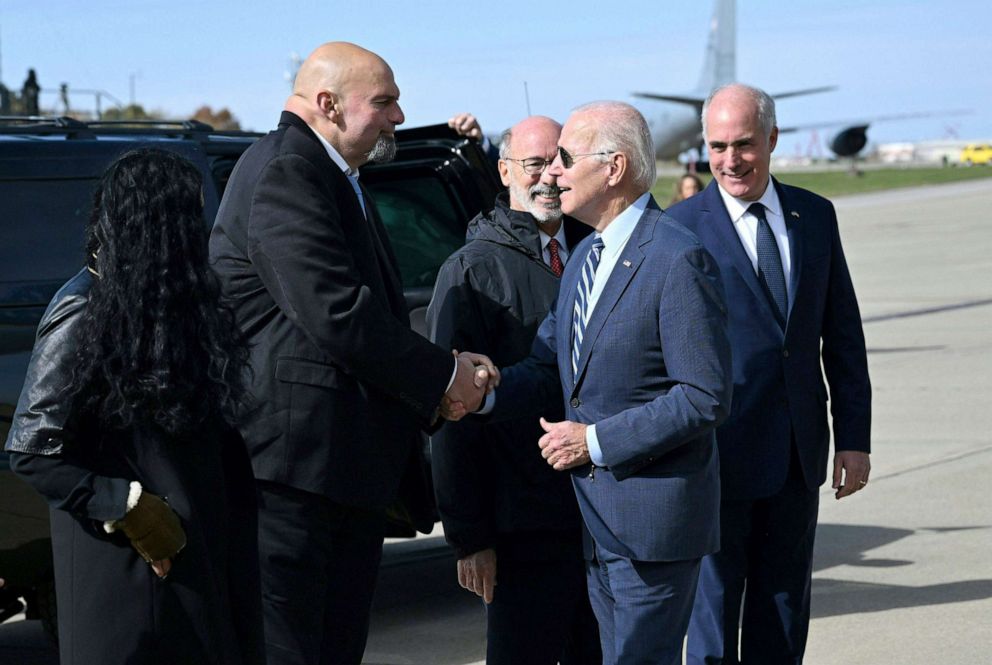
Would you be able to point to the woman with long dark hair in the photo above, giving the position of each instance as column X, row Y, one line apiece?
column 125, row 426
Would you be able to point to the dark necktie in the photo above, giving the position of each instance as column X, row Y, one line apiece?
column 770, row 270
column 557, row 267
column 580, row 313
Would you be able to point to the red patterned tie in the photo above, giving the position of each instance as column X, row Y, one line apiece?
column 556, row 265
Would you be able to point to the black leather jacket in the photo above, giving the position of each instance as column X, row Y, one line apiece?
column 38, row 426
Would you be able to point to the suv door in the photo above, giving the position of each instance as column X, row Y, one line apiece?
column 438, row 182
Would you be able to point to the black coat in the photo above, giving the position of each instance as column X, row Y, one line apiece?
column 492, row 486
column 341, row 381
column 111, row 606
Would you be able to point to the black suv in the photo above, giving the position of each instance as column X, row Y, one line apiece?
column 48, row 171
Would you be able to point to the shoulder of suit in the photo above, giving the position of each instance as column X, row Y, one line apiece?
column 674, row 232
column 288, row 148
column 797, row 196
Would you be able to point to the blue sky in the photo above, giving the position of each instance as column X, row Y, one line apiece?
column 887, row 57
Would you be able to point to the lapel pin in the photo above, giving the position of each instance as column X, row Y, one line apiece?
column 795, row 214
column 626, row 263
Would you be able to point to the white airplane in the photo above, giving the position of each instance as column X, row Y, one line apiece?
column 674, row 119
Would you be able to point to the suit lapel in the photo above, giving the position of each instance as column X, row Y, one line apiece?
column 794, row 227
column 717, row 220
column 566, row 306
column 627, row 265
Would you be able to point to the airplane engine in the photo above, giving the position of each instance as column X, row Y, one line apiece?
column 850, row 141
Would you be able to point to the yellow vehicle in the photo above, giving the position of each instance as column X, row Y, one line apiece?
column 977, row 153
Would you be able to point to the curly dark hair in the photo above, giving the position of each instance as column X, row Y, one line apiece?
column 158, row 345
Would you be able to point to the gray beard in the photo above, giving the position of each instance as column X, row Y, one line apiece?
column 544, row 215
column 383, row 151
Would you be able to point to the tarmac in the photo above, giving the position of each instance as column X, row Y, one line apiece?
column 903, row 569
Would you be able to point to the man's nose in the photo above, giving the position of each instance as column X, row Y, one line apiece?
column 397, row 117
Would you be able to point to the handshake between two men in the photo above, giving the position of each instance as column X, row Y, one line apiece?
column 563, row 444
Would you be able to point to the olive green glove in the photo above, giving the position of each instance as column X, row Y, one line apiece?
column 153, row 528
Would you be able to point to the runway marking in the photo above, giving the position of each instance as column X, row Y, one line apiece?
column 929, row 310
column 919, row 467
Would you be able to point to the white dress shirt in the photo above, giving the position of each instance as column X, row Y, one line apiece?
column 746, row 226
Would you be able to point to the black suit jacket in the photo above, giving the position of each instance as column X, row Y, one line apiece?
column 341, row 382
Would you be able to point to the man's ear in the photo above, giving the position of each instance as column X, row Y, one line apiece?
column 618, row 165
column 504, row 172
column 329, row 104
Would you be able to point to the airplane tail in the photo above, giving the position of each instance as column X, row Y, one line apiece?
column 720, row 65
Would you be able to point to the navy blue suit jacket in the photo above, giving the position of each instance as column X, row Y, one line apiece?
column 778, row 384
column 654, row 376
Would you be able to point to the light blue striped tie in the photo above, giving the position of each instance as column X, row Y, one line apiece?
column 580, row 313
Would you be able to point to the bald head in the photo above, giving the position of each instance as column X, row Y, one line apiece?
column 335, row 66
column 536, row 126
column 347, row 94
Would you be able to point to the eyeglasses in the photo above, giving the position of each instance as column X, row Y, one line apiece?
column 532, row 165
column 568, row 159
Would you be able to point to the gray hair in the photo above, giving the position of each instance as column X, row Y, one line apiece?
column 762, row 101
column 504, row 143
column 626, row 131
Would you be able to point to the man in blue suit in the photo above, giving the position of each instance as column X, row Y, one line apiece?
column 792, row 307
column 636, row 345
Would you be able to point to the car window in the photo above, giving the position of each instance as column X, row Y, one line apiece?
column 424, row 223
column 41, row 228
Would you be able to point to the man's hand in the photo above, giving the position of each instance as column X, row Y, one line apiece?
column 488, row 379
column 564, row 444
column 851, row 469
column 456, row 405
column 477, row 573
column 466, row 124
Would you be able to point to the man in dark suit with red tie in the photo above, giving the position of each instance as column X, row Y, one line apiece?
column 791, row 308
column 341, row 383
column 512, row 520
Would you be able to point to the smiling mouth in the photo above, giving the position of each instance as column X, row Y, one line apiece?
column 738, row 176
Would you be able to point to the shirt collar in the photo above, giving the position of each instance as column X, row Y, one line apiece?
column 618, row 231
column 335, row 156
column 737, row 207
column 560, row 237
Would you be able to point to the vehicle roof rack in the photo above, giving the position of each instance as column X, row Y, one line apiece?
column 72, row 128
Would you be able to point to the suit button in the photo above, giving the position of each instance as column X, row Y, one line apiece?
column 785, row 353
column 574, row 403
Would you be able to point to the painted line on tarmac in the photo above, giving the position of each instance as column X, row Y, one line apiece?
column 928, row 310
column 920, row 467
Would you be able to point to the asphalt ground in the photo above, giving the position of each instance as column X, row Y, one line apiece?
column 903, row 569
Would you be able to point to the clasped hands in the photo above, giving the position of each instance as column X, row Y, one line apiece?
column 475, row 377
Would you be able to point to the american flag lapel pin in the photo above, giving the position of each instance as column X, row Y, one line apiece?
column 795, row 214
column 626, row 263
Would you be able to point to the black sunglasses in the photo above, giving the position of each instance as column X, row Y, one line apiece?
column 568, row 159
